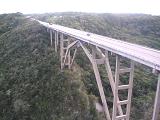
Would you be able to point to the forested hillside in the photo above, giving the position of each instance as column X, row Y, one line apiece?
column 32, row 87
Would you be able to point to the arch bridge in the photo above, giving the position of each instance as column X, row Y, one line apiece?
column 66, row 39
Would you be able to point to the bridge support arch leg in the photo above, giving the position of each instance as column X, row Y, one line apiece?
column 117, row 104
column 67, row 53
column 95, row 62
column 109, row 73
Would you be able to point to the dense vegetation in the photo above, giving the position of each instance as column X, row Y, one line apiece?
column 32, row 87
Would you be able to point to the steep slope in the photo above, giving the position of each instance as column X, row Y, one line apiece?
column 32, row 87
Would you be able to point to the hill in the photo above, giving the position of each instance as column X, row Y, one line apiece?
column 32, row 87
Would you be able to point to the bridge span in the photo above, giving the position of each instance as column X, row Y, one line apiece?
column 68, row 39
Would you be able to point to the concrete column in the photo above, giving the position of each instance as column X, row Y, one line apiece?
column 51, row 37
column 157, row 101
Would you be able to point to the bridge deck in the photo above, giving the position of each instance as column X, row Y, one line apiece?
column 141, row 54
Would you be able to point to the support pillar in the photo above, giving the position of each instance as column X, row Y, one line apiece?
column 157, row 101
column 51, row 38
column 119, row 70
column 56, row 41
column 61, row 49
column 65, row 52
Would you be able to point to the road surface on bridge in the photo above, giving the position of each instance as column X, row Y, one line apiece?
column 141, row 54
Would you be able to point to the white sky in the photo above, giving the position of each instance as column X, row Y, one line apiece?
column 98, row 6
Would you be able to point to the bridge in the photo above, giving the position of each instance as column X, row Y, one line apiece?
column 98, row 49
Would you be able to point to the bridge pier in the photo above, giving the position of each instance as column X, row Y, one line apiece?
column 51, row 38
column 117, row 87
column 56, row 40
column 157, row 101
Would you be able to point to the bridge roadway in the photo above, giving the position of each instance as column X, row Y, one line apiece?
column 147, row 56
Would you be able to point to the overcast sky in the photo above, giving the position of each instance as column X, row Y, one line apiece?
column 98, row 6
